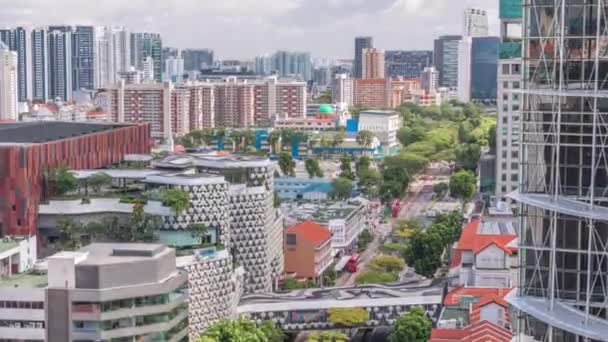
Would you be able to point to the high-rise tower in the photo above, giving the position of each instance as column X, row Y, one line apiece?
column 360, row 44
column 15, row 40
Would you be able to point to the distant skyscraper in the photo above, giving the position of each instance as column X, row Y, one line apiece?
column 429, row 79
column 174, row 69
column 464, row 69
column 15, row 40
column 148, row 69
column 111, row 54
column 263, row 64
column 197, row 59
column 59, row 40
column 407, row 64
column 372, row 63
column 445, row 60
column 287, row 63
column 39, row 65
column 360, row 44
column 484, row 68
column 342, row 90
column 475, row 23
column 8, row 83
column 147, row 45
column 83, row 58
column 168, row 52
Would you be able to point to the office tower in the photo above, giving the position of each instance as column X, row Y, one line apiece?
column 168, row 52
column 263, row 65
column 372, row 63
column 322, row 76
column 83, row 58
column 147, row 45
column 60, row 76
column 292, row 64
column 429, row 79
column 407, row 64
column 148, row 69
column 445, row 59
column 484, row 68
column 121, row 44
column 475, row 23
column 39, row 65
column 197, row 59
column 234, row 104
column 174, row 69
column 342, row 89
column 15, row 40
column 562, row 193
column 508, row 99
column 256, row 227
column 464, row 69
column 112, row 54
column 360, row 44
column 8, row 83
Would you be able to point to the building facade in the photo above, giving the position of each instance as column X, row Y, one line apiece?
column 372, row 63
column 361, row 43
column 371, row 92
column 39, row 65
column 197, row 59
column 342, row 89
column 429, row 79
column 15, row 40
column 30, row 149
column 475, row 23
column 147, row 45
column 292, row 64
column 59, row 55
column 83, row 58
column 445, row 59
column 484, row 68
column 561, row 292
column 408, row 64
column 308, row 250
column 9, row 84
column 384, row 124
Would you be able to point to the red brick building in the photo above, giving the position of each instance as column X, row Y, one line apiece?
column 27, row 150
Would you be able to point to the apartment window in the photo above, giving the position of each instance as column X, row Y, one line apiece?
column 515, row 97
column 504, row 143
column 504, row 166
column 505, row 107
column 505, row 97
column 514, row 166
column 291, row 240
column 515, row 85
column 503, row 189
column 505, row 85
column 515, row 107
column 503, row 177
column 514, row 177
column 505, row 69
column 504, row 154
column 515, row 154
column 505, row 120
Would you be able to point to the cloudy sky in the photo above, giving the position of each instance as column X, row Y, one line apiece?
column 244, row 28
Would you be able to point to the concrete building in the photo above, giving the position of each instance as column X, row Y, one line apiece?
column 509, row 101
column 234, row 104
column 9, row 85
column 130, row 76
column 59, row 62
column 202, row 105
column 15, row 40
column 484, row 68
column 445, row 59
column 274, row 97
column 147, row 68
column 83, row 58
column 402, row 90
column 197, row 59
column 475, row 23
column 174, row 69
column 361, row 43
column 147, row 45
column 384, row 124
column 425, row 98
column 292, row 64
column 263, row 64
column 407, row 64
column 256, row 227
column 145, row 103
column 308, row 250
column 372, row 63
column 342, row 89
column 17, row 255
column 429, row 79
column 371, row 93
column 310, row 189
column 112, row 54
column 40, row 74
column 464, row 69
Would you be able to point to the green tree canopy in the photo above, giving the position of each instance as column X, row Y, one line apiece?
column 375, row 277
column 63, row 180
column 467, row 156
column 414, row 326
column 99, row 180
column 365, row 138
column 313, row 168
column 341, row 188
column 327, row 336
column 242, row 330
column 463, row 185
column 345, row 167
column 348, row 317
column 287, row 164
column 176, row 199
column 387, row 263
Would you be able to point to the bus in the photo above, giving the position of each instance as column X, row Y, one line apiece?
column 353, row 263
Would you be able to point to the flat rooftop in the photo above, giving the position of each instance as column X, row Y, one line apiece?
column 45, row 131
column 320, row 212
column 24, row 280
column 115, row 253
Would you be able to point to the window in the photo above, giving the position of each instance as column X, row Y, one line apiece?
column 514, row 166
column 504, row 143
column 505, row 69
column 516, row 69
column 503, row 189
column 515, row 85
column 505, row 97
column 515, row 154
column 291, row 239
column 505, row 120
column 503, row 177
column 515, row 97
column 505, row 85
column 514, row 177
column 504, row 154
column 504, row 166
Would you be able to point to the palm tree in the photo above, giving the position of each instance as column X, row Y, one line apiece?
column 273, row 139
column 365, row 139
column 338, row 139
column 248, row 138
column 208, row 136
column 237, row 138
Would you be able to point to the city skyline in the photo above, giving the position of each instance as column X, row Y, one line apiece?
column 269, row 25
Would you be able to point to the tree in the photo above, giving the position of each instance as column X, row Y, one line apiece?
column 287, row 164
column 313, row 168
column 142, row 227
column 410, row 135
column 99, row 180
column 273, row 139
column 463, row 185
column 176, row 199
column 375, row 277
column 341, row 188
column 387, row 263
column 467, row 156
column 276, row 200
column 347, row 172
column 440, row 189
column 348, row 317
column 414, row 326
column 423, row 252
column 338, row 139
column 64, row 180
column 369, row 183
column 198, row 231
column 327, row 336
column 365, row 138
column 492, row 138
column 364, row 239
column 242, row 330
column 70, row 232
column 363, row 164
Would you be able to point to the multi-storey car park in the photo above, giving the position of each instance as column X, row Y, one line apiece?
column 562, row 293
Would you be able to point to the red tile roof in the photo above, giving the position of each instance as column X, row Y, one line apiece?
column 310, row 231
column 471, row 240
column 479, row 332
column 454, row 297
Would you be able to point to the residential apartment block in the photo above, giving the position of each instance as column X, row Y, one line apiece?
column 308, row 250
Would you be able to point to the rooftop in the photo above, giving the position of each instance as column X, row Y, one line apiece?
column 7, row 245
column 320, row 212
column 310, row 231
column 115, row 253
column 24, row 280
column 475, row 239
column 484, row 329
column 45, row 131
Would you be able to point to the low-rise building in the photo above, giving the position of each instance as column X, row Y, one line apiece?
column 311, row 189
column 307, row 250
column 384, row 124
column 17, row 254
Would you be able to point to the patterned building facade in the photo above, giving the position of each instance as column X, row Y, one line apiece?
column 28, row 150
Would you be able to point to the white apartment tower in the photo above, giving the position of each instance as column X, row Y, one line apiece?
column 148, row 70
column 464, row 69
column 343, row 89
column 429, row 79
column 112, row 54
column 8, row 84
column 475, row 23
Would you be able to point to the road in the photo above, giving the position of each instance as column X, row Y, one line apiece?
column 412, row 207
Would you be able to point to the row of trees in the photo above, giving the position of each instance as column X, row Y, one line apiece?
column 382, row 269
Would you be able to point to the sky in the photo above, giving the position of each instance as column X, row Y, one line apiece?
column 241, row 29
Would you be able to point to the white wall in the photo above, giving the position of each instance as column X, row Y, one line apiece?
column 493, row 313
column 492, row 257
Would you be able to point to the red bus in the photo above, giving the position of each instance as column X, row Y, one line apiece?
column 353, row 263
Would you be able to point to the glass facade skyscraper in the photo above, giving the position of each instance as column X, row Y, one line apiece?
column 563, row 188
column 15, row 41
column 360, row 44
column 408, row 64
column 484, row 67
column 445, row 58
